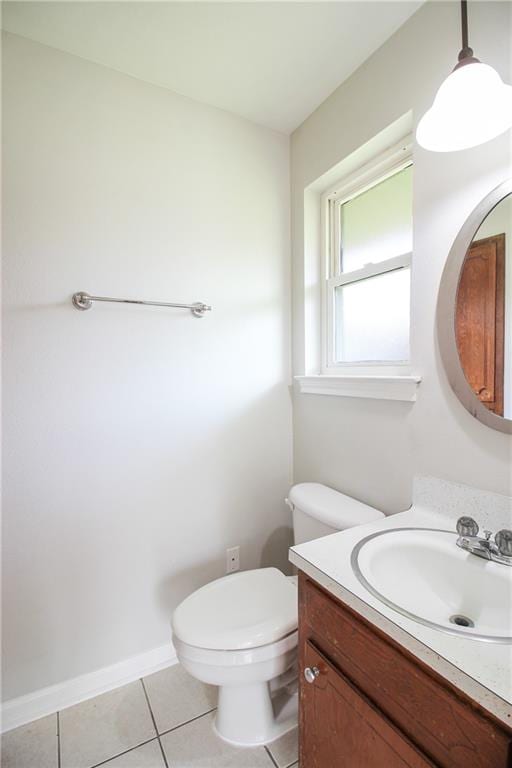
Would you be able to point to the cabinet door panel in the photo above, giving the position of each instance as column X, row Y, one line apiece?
column 340, row 728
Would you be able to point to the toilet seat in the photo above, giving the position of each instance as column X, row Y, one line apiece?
column 252, row 656
column 244, row 611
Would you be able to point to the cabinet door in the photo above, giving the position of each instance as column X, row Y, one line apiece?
column 341, row 728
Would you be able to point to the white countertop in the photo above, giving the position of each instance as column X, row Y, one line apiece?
column 482, row 670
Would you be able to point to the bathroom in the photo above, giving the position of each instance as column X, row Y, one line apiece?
column 204, row 153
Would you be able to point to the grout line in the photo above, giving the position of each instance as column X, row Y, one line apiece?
column 120, row 754
column 149, row 706
column 163, row 753
column 154, row 724
column 269, row 753
column 58, row 739
column 197, row 717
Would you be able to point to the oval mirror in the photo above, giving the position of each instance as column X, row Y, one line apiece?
column 474, row 314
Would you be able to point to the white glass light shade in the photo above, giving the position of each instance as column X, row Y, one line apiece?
column 472, row 106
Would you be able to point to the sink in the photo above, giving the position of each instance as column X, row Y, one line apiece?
column 425, row 576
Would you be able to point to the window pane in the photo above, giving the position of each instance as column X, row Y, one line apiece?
column 372, row 318
column 377, row 225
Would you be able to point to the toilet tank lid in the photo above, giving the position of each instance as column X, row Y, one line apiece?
column 331, row 507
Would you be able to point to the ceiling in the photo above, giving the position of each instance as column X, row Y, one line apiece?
column 270, row 62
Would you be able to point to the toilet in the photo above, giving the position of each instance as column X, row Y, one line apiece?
column 239, row 632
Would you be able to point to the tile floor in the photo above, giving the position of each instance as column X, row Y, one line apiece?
column 161, row 721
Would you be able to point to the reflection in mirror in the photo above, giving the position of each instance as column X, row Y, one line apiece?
column 483, row 316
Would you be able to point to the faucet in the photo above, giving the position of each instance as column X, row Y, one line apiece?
column 499, row 550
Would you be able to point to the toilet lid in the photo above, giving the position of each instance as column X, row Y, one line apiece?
column 244, row 610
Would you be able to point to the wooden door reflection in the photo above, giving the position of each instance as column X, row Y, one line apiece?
column 480, row 320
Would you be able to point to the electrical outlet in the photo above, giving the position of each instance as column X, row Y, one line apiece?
column 232, row 559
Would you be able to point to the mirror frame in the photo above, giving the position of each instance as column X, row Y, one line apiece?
column 446, row 302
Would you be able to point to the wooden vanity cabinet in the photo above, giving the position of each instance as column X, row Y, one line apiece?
column 372, row 704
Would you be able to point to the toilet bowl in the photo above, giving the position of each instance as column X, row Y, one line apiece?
column 239, row 632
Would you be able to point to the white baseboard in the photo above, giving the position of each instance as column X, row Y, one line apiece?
column 46, row 701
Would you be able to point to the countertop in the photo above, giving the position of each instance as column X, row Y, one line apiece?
column 482, row 670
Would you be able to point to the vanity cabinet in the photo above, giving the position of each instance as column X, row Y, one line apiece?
column 371, row 704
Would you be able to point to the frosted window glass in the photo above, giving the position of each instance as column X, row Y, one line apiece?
column 372, row 318
column 377, row 225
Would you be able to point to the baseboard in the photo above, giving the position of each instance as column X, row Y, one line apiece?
column 46, row 701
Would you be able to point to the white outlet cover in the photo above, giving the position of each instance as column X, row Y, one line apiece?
column 232, row 559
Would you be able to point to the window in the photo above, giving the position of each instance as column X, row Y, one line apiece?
column 368, row 260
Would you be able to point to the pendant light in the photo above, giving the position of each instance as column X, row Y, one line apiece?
column 472, row 106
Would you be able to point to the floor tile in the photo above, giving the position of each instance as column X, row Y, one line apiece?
column 31, row 746
column 176, row 697
column 147, row 756
column 195, row 745
column 285, row 750
column 105, row 726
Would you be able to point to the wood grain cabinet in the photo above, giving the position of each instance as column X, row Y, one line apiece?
column 369, row 703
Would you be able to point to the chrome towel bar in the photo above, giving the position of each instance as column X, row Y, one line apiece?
column 83, row 300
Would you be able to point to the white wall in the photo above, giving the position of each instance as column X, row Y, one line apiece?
column 371, row 449
column 139, row 442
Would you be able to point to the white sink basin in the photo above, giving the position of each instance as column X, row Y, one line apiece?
column 424, row 575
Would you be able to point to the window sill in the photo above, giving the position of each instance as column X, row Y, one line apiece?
column 402, row 388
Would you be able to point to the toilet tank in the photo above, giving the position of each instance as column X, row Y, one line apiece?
column 319, row 510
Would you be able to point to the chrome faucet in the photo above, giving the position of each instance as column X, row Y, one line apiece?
column 499, row 550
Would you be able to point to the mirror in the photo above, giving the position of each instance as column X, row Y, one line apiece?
column 475, row 311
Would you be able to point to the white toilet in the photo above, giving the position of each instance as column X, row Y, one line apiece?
column 240, row 631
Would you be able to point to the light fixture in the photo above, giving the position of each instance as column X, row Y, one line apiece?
column 472, row 106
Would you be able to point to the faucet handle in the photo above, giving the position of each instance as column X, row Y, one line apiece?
column 503, row 541
column 466, row 526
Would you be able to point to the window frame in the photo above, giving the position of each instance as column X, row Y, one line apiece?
column 382, row 167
